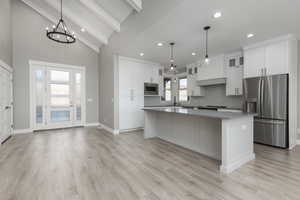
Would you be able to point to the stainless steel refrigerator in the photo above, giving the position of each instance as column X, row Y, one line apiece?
column 268, row 97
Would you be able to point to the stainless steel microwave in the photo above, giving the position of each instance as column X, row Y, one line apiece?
column 151, row 89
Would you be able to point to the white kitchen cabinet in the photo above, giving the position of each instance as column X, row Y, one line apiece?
column 254, row 62
column 234, row 82
column 193, row 89
column 268, row 58
column 214, row 70
column 234, row 74
column 276, row 58
column 133, row 74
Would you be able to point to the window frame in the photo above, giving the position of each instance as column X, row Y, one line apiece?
column 165, row 79
column 182, row 89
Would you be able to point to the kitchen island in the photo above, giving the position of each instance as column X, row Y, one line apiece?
column 225, row 136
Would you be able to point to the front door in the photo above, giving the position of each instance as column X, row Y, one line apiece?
column 59, row 97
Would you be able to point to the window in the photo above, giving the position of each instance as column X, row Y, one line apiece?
column 183, row 89
column 167, row 89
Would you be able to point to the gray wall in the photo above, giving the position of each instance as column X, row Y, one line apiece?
column 5, row 32
column 106, row 87
column 30, row 42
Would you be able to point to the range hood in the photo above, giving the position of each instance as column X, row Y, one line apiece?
column 216, row 81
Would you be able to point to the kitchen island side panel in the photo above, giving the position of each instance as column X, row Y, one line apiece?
column 196, row 133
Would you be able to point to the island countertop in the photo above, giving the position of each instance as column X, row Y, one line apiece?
column 200, row 112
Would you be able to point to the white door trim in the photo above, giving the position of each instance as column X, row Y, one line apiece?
column 32, row 64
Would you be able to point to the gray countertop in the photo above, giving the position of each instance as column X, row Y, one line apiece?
column 200, row 112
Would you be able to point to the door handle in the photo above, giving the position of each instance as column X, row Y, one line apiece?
column 7, row 107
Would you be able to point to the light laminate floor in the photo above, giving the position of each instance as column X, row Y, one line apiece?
column 91, row 164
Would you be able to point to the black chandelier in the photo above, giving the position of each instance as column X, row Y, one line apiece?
column 60, row 33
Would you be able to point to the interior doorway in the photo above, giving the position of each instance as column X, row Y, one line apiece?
column 57, row 95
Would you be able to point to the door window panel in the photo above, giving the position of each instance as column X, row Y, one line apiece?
column 39, row 75
column 60, row 101
column 59, row 76
column 40, row 92
column 60, row 116
column 60, row 89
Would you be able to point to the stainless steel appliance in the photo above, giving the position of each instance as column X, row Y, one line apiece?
column 268, row 97
column 151, row 89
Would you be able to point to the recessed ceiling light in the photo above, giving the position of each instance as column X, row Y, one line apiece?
column 142, row 54
column 250, row 35
column 160, row 44
column 193, row 54
column 82, row 30
column 217, row 15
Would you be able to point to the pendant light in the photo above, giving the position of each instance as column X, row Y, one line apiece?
column 173, row 67
column 60, row 33
column 206, row 60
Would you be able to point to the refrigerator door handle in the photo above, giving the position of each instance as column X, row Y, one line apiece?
column 262, row 85
column 259, row 97
column 270, row 121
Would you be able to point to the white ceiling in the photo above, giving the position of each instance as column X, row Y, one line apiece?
column 100, row 18
column 182, row 21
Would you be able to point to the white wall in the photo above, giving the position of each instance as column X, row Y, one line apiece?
column 30, row 42
column 5, row 32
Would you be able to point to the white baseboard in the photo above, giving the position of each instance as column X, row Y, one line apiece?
column 92, row 124
column 109, row 129
column 298, row 136
column 237, row 164
column 131, row 130
column 22, row 131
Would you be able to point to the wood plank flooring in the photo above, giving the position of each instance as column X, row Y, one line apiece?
column 91, row 164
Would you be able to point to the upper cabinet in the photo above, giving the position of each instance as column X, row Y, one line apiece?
column 213, row 70
column 269, row 58
column 193, row 89
column 254, row 62
column 276, row 59
column 234, row 74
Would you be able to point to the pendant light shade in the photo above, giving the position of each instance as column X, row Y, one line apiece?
column 173, row 68
column 60, row 32
column 206, row 60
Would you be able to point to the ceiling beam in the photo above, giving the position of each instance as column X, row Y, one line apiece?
column 136, row 4
column 53, row 19
column 100, row 12
column 77, row 19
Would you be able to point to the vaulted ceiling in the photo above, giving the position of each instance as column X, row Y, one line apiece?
column 99, row 18
column 182, row 21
